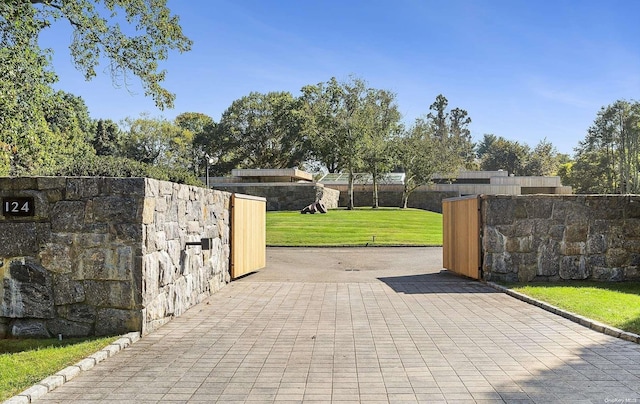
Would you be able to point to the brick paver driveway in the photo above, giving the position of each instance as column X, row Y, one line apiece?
column 364, row 325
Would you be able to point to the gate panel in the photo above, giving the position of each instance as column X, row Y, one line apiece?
column 461, row 235
column 248, row 234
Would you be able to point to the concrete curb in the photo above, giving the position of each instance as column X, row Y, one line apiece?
column 46, row 385
column 584, row 321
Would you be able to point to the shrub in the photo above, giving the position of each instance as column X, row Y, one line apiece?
column 109, row 166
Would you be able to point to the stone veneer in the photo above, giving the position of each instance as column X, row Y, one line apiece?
column 108, row 255
column 569, row 237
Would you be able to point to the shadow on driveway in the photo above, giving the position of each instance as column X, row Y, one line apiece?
column 441, row 282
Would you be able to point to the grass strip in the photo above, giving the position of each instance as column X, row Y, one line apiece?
column 24, row 363
column 613, row 303
column 358, row 227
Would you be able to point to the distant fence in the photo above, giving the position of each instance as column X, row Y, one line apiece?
column 461, row 235
column 248, row 234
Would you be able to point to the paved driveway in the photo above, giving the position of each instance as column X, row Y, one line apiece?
column 363, row 325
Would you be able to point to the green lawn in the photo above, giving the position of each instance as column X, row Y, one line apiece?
column 615, row 304
column 341, row 227
column 26, row 362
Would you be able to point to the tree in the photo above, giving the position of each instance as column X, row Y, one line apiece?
column 261, row 131
column 384, row 118
column 32, row 137
column 107, row 138
column 41, row 130
column 543, row 160
column 438, row 117
column 25, row 80
column 157, row 141
column 452, row 127
column 339, row 124
column 614, row 142
column 590, row 174
column 197, row 124
column 422, row 152
column 565, row 172
column 438, row 143
column 484, row 145
column 503, row 154
column 459, row 130
column 97, row 35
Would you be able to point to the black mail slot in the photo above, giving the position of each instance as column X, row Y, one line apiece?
column 205, row 243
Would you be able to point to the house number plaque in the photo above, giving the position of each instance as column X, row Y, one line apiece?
column 18, row 207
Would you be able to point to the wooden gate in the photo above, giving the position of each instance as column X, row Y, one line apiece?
column 461, row 235
column 248, row 234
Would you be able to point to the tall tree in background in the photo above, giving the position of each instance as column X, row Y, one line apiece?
column 453, row 128
column 611, row 151
column 340, row 120
column 544, row 160
column 157, row 141
column 197, row 124
column 484, row 145
column 106, row 139
column 459, row 121
column 439, row 143
column 259, row 131
column 422, row 153
column 381, row 112
column 503, row 154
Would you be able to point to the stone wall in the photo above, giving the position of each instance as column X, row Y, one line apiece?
column 175, row 275
column 571, row 237
column 107, row 255
column 286, row 196
column 391, row 196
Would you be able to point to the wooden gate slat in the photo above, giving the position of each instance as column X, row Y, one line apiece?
column 248, row 234
column 461, row 235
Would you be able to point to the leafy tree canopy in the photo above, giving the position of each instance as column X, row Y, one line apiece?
column 608, row 159
column 438, row 143
column 342, row 121
column 259, row 131
column 151, row 33
column 106, row 139
column 157, row 141
column 195, row 122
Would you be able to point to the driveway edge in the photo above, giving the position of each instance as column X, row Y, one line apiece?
column 576, row 318
column 50, row 383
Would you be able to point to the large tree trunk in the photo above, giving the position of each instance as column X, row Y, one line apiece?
column 350, row 203
column 375, row 188
column 405, row 197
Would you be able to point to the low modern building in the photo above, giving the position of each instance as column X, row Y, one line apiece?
column 293, row 189
column 260, row 175
column 499, row 183
column 465, row 183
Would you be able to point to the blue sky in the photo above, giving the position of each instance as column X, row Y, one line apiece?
column 525, row 70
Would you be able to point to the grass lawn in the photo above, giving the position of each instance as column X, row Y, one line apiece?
column 615, row 304
column 26, row 362
column 341, row 227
